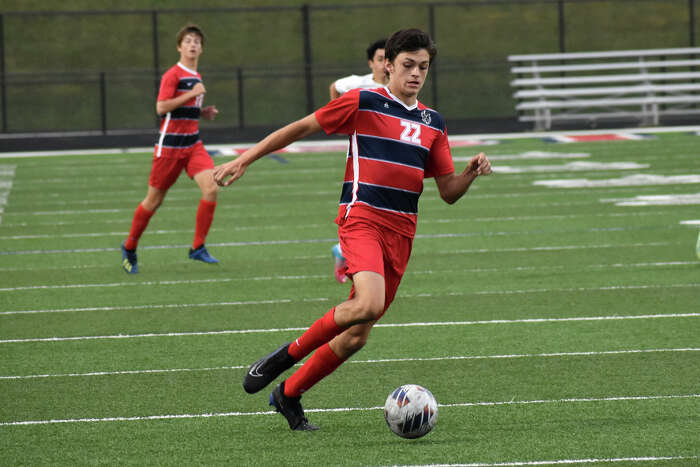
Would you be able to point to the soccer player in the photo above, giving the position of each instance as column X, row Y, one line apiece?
column 375, row 79
column 378, row 78
column 179, row 148
column 395, row 142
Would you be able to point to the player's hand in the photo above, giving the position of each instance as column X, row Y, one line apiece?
column 233, row 169
column 479, row 165
column 209, row 112
column 199, row 89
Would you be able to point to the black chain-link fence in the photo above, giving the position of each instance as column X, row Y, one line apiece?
column 99, row 70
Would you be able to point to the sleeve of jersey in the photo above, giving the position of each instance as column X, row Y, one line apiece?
column 440, row 160
column 168, row 86
column 338, row 116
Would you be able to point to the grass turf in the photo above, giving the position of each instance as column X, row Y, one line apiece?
column 551, row 323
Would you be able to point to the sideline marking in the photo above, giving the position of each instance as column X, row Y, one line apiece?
column 587, row 138
column 351, row 409
column 381, row 325
column 657, row 200
column 383, row 360
column 628, row 181
column 570, row 167
column 7, row 175
column 528, row 155
column 562, row 461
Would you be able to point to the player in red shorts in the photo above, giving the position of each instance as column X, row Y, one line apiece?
column 179, row 148
column 395, row 142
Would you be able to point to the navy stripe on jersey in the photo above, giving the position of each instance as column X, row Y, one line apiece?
column 180, row 141
column 382, row 197
column 375, row 102
column 185, row 84
column 185, row 113
column 392, row 151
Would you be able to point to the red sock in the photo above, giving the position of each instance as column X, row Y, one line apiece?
column 321, row 364
column 321, row 332
column 205, row 216
column 138, row 225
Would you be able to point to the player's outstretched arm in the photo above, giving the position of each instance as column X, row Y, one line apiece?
column 274, row 141
column 453, row 186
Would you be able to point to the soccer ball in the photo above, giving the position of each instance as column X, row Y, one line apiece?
column 411, row 411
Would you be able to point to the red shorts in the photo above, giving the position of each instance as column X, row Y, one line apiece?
column 165, row 170
column 367, row 246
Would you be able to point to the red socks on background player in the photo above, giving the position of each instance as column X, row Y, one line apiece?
column 322, row 363
column 138, row 225
column 205, row 216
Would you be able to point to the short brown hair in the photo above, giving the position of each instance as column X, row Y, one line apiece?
column 409, row 40
column 189, row 29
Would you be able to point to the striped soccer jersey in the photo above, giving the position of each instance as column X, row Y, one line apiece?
column 392, row 148
column 179, row 129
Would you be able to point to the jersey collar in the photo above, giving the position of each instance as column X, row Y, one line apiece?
column 407, row 107
column 186, row 69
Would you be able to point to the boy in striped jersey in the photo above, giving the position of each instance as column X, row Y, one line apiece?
column 395, row 142
column 179, row 148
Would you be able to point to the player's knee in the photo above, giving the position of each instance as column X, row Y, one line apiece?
column 210, row 191
column 370, row 309
column 355, row 342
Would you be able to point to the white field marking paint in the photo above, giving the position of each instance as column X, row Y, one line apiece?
column 378, row 361
column 318, row 226
column 569, row 167
column 656, row 200
column 310, row 241
column 325, row 299
column 158, row 232
column 113, row 284
column 168, row 306
column 602, row 460
column 110, row 266
column 692, row 222
column 353, row 409
column 155, row 283
column 7, row 175
column 556, row 248
column 384, row 325
column 611, row 288
column 628, row 181
column 537, row 218
column 324, row 276
column 529, row 155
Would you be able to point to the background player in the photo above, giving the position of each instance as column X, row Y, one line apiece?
column 395, row 142
column 179, row 148
column 377, row 78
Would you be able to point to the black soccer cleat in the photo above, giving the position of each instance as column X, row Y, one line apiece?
column 291, row 408
column 265, row 370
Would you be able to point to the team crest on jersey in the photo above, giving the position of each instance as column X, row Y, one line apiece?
column 425, row 116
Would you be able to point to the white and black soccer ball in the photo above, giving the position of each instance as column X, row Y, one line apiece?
column 411, row 411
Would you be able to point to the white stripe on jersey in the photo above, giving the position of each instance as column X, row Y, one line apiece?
column 163, row 131
column 355, row 172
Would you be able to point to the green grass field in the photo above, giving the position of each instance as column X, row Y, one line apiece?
column 553, row 325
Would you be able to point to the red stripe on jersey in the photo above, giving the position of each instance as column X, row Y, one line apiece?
column 386, row 174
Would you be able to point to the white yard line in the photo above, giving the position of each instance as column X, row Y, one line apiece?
column 353, row 409
column 380, row 325
column 362, row 362
column 325, row 276
column 317, row 226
